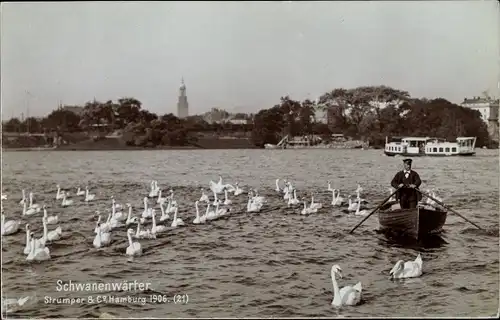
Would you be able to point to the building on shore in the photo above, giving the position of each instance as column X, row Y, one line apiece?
column 182, row 104
column 489, row 109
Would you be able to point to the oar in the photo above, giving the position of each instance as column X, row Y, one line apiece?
column 458, row 214
column 378, row 207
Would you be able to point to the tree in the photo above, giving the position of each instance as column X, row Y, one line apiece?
column 12, row 125
column 61, row 119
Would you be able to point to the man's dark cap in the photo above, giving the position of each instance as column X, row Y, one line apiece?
column 407, row 161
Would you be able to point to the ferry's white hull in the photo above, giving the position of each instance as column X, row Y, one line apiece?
column 464, row 154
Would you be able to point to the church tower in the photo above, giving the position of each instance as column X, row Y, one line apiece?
column 182, row 104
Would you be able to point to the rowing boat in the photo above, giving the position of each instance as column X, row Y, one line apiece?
column 416, row 223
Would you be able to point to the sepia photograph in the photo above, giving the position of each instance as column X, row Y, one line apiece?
column 250, row 159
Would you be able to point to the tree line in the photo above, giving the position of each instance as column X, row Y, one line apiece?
column 370, row 114
column 365, row 113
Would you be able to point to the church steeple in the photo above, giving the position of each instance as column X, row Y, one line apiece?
column 182, row 104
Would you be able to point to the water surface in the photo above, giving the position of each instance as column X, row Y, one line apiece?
column 273, row 263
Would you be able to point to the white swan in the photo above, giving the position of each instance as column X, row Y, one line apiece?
column 154, row 189
column 113, row 223
column 408, row 269
column 164, row 214
column 308, row 210
column 101, row 239
column 66, row 202
column 160, row 199
column 53, row 235
column 227, row 201
column 37, row 254
column 204, row 197
column 51, row 219
column 337, row 200
column 348, row 295
column 9, row 227
column 253, row 206
column 256, row 198
column 88, row 196
column 147, row 211
column 80, row 192
column 130, row 219
column 120, row 216
column 30, row 211
column 134, row 248
column 59, row 193
column 210, row 214
column 143, row 234
column 176, row 222
column 287, row 195
column 353, row 206
column 156, row 228
column 23, row 200
column 198, row 219
column 358, row 212
column 217, row 187
column 315, row 205
column 358, row 196
column 278, row 185
column 105, row 227
column 287, row 186
column 221, row 211
column 32, row 204
column 39, row 243
column 293, row 200
column 238, row 190
column 330, row 186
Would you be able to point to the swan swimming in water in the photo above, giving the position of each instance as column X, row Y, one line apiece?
column 66, row 202
column 32, row 204
column 156, row 228
column 329, row 186
column 9, row 227
column 79, row 192
column 39, row 243
column 143, row 234
column 348, row 295
column 198, row 219
column 59, row 193
column 37, row 254
column 307, row 210
column 134, row 248
column 101, row 239
column 88, row 196
column 176, row 222
column 408, row 269
column 52, row 235
column 30, row 211
column 51, row 219
column 315, row 205
column 238, row 190
column 293, row 200
column 130, row 219
column 337, row 200
column 358, row 212
column 204, row 197
column 147, row 211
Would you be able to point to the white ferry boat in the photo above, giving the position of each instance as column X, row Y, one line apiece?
column 419, row 146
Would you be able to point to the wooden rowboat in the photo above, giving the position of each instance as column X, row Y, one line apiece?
column 416, row 223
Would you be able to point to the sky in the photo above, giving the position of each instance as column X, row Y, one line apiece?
column 242, row 56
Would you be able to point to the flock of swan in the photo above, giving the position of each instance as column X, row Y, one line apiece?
column 36, row 249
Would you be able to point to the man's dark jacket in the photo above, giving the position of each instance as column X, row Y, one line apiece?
column 407, row 192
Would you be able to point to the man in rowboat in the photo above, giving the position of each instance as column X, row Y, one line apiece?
column 407, row 181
